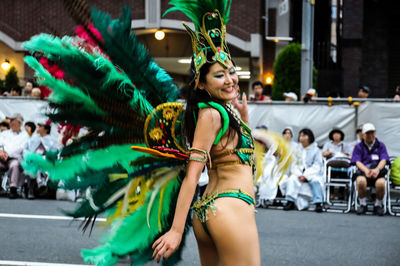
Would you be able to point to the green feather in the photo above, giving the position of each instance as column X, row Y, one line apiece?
column 92, row 73
column 100, row 197
column 195, row 9
column 63, row 93
column 126, row 52
column 78, row 165
column 132, row 235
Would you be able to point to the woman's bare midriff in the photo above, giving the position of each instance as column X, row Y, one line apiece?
column 236, row 176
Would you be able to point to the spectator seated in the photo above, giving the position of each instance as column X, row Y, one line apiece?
column 40, row 143
column 12, row 142
column 370, row 158
column 306, row 181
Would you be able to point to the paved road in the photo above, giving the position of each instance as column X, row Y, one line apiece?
column 286, row 238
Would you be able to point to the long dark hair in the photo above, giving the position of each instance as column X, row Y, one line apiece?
column 194, row 97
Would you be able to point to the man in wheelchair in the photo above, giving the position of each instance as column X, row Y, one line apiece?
column 370, row 157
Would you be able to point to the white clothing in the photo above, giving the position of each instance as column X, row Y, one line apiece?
column 13, row 143
column 311, row 167
column 340, row 148
column 203, row 181
column 271, row 175
column 49, row 143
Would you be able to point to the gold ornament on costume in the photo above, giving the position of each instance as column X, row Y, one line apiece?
column 168, row 113
column 209, row 44
column 156, row 134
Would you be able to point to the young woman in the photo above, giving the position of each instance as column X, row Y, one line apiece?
column 224, row 221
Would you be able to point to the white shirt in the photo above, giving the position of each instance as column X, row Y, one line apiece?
column 13, row 143
column 341, row 147
column 49, row 143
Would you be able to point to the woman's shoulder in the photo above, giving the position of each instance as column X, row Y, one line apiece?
column 313, row 148
column 211, row 114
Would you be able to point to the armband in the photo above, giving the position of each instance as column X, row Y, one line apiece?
column 205, row 154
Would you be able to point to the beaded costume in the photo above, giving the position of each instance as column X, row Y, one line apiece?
column 131, row 163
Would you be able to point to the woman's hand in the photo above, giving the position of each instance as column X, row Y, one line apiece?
column 302, row 179
column 242, row 108
column 166, row 244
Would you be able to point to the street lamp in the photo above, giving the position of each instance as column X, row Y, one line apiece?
column 159, row 35
column 5, row 65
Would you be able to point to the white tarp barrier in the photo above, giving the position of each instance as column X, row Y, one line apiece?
column 319, row 118
column 386, row 118
column 31, row 110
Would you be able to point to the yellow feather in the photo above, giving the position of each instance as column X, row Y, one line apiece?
column 283, row 154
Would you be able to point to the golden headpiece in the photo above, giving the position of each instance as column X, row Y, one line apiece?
column 209, row 37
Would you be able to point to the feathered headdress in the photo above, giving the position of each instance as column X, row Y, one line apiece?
column 209, row 38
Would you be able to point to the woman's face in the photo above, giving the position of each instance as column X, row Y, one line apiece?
column 287, row 134
column 337, row 137
column 221, row 83
column 28, row 129
column 303, row 139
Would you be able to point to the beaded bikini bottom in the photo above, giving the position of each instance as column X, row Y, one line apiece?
column 201, row 207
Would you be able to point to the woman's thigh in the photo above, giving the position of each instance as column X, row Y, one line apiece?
column 207, row 250
column 234, row 232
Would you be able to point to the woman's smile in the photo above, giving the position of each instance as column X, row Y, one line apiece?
column 221, row 83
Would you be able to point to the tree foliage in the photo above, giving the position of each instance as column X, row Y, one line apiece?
column 11, row 80
column 287, row 69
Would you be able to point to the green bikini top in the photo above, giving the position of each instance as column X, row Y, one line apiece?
column 245, row 148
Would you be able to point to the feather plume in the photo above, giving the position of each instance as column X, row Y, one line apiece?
column 132, row 235
column 131, row 56
column 79, row 10
column 195, row 9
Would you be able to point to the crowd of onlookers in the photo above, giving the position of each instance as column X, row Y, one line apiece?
column 18, row 137
column 262, row 93
column 31, row 89
column 304, row 181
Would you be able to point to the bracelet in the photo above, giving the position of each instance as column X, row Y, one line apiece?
column 206, row 155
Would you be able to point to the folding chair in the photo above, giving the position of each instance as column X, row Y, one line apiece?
column 3, row 183
column 370, row 204
column 336, row 171
column 276, row 203
column 393, row 198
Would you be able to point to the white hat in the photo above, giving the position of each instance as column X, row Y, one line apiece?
column 16, row 116
column 291, row 95
column 367, row 127
column 311, row 91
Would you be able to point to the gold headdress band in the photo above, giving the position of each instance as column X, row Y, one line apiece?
column 209, row 37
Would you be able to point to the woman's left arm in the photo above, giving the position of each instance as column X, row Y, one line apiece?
column 316, row 167
column 208, row 125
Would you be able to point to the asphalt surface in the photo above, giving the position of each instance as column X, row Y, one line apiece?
column 286, row 238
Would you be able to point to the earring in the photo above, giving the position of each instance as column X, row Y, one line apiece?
column 208, row 93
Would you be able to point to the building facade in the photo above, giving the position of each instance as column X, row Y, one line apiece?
column 21, row 19
column 355, row 41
